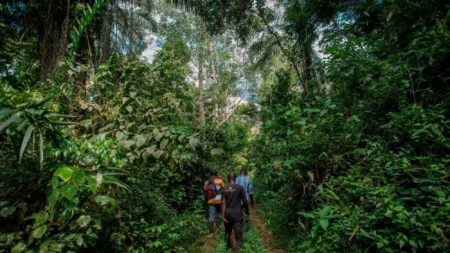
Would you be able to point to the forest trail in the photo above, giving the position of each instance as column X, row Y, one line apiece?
column 267, row 236
column 257, row 238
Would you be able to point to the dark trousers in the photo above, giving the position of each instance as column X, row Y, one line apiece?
column 238, row 227
column 251, row 199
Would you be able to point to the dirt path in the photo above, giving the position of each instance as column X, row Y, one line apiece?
column 209, row 245
column 215, row 243
column 260, row 226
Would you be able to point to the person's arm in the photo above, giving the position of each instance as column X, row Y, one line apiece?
column 250, row 186
column 224, row 206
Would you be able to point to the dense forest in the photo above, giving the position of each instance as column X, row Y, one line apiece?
column 113, row 113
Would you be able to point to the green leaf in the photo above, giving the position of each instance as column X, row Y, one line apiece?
column 401, row 243
column 8, row 122
column 92, row 184
column 103, row 200
column 79, row 177
column 324, row 212
column 25, row 140
column 140, row 141
column 61, row 115
column 119, row 135
column 39, row 232
column 52, row 199
column 41, row 149
column 365, row 233
column 50, row 246
column 307, row 215
column 5, row 112
column 389, row 16
column 20, row 247
column 163, row 144
column 83, row 220
column 158, row 154
column 157, row 135
column 69, row 192
column 324, row 223
column 413, row 243
column 331, row 194
column 216, row 151
column 64, row 172
column 193, row 142
column 79, row 240
column 7, row 211
column 39, row 219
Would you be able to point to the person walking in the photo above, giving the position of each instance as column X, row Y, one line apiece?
column 244, row 180
column 213, row 188
column 233, row 202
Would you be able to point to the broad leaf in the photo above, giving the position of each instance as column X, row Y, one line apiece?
column 119, row 135
column 163, row 143
column 39, row 232
column 324, row 223
column 65, row 173
column 83, row 220
column 20, row 247
column 140, row 141
column 69, row 192
column 324, row 212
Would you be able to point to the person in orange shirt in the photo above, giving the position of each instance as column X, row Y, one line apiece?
column 213, row 189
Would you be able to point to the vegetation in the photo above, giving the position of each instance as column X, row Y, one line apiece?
column 113, row 113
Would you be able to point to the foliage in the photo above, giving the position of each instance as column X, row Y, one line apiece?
column 349, row 146
column 361, row 165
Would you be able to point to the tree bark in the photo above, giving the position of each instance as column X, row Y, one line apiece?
column 212, row 69
column 201, row 98
column 54, row 40
column 212, row 78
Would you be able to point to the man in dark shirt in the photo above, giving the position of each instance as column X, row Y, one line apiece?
column 233, row 202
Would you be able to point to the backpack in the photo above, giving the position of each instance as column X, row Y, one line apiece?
column 212, row 191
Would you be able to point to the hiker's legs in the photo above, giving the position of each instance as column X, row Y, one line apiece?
column 211, row 217
column 246, row 209
column 228, row 229
column 206, row 206
column 218, row 215
column 251, row 199
column 238, row 232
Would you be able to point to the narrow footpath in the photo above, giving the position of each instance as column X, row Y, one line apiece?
column 267, row 237
column 257, row 238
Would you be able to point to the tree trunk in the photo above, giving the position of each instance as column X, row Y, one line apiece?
column 201, row 98
column 212, row 69
column 54, row 40
column 212, row 79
